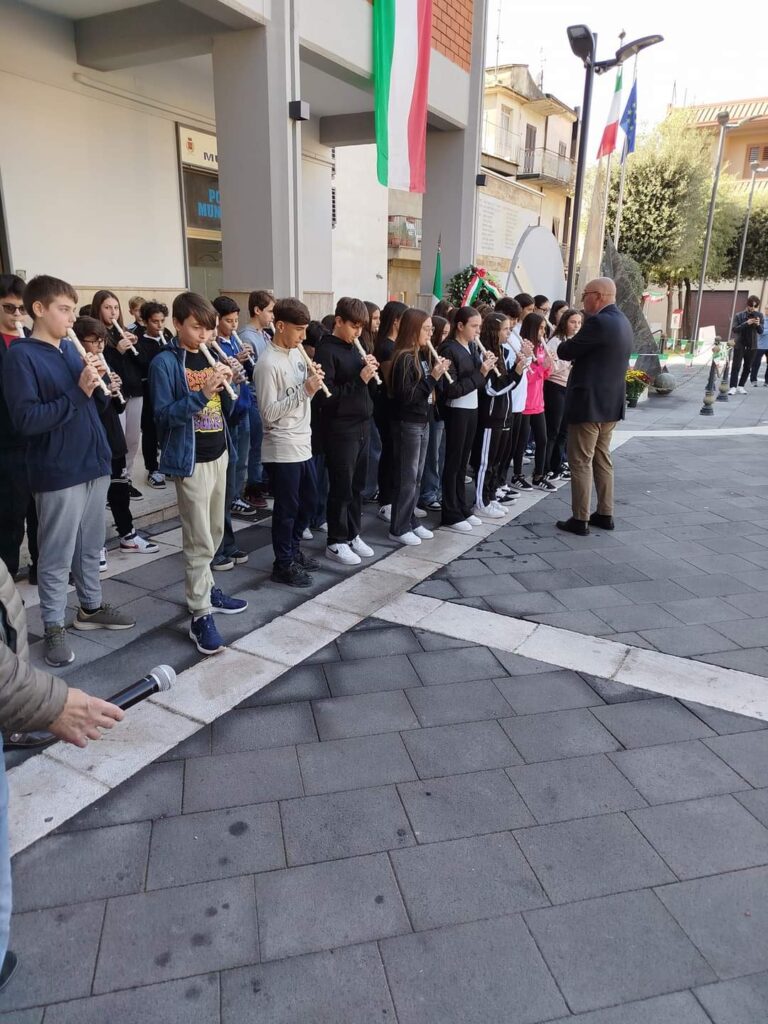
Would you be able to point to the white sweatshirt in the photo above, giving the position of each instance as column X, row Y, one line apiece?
column 284, row 405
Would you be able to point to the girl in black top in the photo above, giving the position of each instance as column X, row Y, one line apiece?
column 382, row 414
column 468, row 372
column 412, row 384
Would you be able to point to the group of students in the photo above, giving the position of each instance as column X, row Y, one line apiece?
column 221, row 410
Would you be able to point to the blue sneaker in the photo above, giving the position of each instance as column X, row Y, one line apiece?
column 205, row 635
column 225, row 604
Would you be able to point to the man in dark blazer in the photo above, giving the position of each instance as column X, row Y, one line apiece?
column 594, row 402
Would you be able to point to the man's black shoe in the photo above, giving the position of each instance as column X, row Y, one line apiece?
column 578, row 526
column 8, row 969
column 604, row 522
column 307, row 562
column 293, row 576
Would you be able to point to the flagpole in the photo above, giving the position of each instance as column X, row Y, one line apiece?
column 604, row 216
column 624, row 155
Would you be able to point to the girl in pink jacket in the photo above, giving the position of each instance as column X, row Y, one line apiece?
column 534, row 329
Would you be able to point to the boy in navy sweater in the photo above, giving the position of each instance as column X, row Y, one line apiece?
column 54, row 401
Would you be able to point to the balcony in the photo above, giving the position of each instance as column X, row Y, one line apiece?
column 499, row 141
column 403, row 232
column 547, row 166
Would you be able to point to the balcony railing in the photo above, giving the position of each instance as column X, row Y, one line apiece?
column 403, row 232
column 545, row 163
column 499, row 141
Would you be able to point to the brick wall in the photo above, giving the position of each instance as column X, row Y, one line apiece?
column 452, row 30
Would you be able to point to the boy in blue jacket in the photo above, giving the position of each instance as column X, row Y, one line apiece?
column 54, row 402
column 191, row 408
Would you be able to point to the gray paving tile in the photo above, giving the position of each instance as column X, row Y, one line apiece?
column 550, row 579
column 742, row 1001
column 726, row 916
column 215, row 844
column 701, row 610
column 157, row 574
column 173, row 933
column 517, row 665
column 557, row 734
column 232, row 780
column 383, row 642
column 458, row 702
column 632, row 617
column 717, row 584
column 616, row 949
column 196, row 745
column 371, row 675
column 349, row 824
column 190, row 1001
column 704, row 837
column 343, row 986
column 574, row 788
column 746, row 753
column 591, row 598
column 305, row 682
column 463, row 568
column 756, row 802
column 746, row 604
column 67, row 937
column 745, row 632
column 441, row 590
column 577, row 860
column 465, row 880
column 688, row 641
column 573, row 559
column 753, row 659
column 547, row 691
column 653, row 591
column 617, row 573
column 322, row 906
column 586, row 622
column 149, row 613
column 324, row 655
column 500, row 564
column 438, row 642
column 613, row 692
column 677, row 771
column 261, row 728
column 526, row 603
column 23, row 1017
column 354, row 763
column 99, row 863
column 677, row 1008
column 712, row 562
column 644, row 723
column 463, row 805
column 455, row 749
column 725, row 722
column 155, row 792
column 480, row 586
column 470, row 974
column 457, row 666
column 363, row 715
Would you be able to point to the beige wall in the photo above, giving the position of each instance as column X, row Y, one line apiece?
column 737, row 144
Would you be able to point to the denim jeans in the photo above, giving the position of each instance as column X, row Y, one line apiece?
column 319, row 515
column 431, row 481
column 255, row 468
column 5, row 866
column 374, row 454
column 409, row 445
column 241, row 439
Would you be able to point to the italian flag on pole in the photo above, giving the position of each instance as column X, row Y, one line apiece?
column 611, row 130
column 402, row 40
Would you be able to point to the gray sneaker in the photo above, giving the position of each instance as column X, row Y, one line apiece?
column 106, row 617
column 57, row 650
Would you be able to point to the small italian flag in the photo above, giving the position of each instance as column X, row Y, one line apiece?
column 477, row 282
column 437, row 284
column 402, row 40
column 611, row 130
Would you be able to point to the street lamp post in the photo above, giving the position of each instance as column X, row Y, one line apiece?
column 755, row 171
column 583, row 45
column 722, row 119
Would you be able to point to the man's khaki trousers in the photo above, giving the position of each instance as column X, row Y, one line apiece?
column 589, row 457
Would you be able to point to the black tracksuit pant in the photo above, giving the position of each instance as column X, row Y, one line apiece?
column 557, row 428
column 538, row 428
column 346, row 459
column 17, row 507
column 460, row 426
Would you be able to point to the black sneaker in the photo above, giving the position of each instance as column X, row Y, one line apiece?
column 134, row 493
column 522, row 483
column 543, row 484
column 293, row 576
column 307, row 562
column 239, row 557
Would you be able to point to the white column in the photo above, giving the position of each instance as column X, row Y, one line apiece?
column 256, row 74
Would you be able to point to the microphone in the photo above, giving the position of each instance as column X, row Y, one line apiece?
column 159, row 679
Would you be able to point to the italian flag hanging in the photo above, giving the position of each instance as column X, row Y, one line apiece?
column 437, row 284
column 611, row 130
column 477, row 282
column 402, row 40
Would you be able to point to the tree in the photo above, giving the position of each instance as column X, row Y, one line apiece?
column 756, row 250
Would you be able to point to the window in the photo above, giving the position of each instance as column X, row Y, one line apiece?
column 765, row 153
column 562, row 151
column 530, row 148
column 556, row 227
column 753, row 155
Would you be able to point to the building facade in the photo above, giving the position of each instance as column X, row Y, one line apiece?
column 220, row 144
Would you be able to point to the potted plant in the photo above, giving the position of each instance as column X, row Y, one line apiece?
column 636, row 382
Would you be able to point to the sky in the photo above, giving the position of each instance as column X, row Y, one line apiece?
column 706, row 62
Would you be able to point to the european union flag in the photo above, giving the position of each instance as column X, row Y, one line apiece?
column 629, row 119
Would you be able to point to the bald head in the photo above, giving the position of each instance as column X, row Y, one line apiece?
column 600, row 292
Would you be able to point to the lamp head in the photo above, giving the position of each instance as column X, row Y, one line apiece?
column 582, row 42
column 635, row 46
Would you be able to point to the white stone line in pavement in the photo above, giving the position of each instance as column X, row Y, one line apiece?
column 687, row 432
column 739, row 692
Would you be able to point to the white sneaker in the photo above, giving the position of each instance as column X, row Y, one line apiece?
column 740, row 390
column 359, row 546
column 463, row 527
column 489, row 511
column 138, row 545
column 385, row 513
column 423, row 533
column 307, row 535
column 103, row 560
column 342, row 553
column 323, row 527
column 405, row 538
column 421, row 514
column 474, row 521
column 731, row 391
column 498, row 507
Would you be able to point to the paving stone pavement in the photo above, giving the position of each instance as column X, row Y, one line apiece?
column 468, row 836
